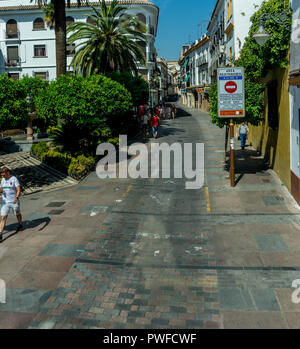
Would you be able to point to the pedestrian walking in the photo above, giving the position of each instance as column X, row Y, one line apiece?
column 11, row 191
column 155, row 124
column 173, row 111
column 243, row 134
column 145, row 125
column 168, row 112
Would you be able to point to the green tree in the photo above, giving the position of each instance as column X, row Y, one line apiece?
column 86, row 108
column 13, row 105
column 109, row 43
column 136, row 85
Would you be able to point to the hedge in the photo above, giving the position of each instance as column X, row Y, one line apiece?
column 76, row 167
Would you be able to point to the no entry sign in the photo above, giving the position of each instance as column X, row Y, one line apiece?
column 230, row 87
column 231, row 94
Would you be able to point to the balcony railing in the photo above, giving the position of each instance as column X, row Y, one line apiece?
column 151, row 58
column 151, row 30
column 13, row 35
column 13, row 63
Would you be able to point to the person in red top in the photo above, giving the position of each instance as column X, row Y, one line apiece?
column 155, row 122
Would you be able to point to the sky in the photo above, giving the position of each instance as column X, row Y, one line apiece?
column 180, row 22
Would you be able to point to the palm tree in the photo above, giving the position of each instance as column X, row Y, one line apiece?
column 109, row 41
column 59, row 18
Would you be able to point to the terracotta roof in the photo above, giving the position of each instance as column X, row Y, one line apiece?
column 122, row 2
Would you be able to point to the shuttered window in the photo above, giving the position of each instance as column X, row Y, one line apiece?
column 12, row 29
column 70, row 49
column 14, row 76
column 12, row 53
column 42, row 75
column 91, row 21
column 38, row 24
column 141, row 18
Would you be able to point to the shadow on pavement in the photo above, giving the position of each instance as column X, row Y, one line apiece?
column 247, row 161
column 13, row 228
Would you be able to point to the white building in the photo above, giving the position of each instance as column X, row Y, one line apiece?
column 163, row 79
column 194, row 63
column 237, row 24
column 27, row 44
column 228, row 27
column 295, row 101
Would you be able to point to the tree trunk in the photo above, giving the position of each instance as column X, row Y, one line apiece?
column 226, row 142
column 60, row 36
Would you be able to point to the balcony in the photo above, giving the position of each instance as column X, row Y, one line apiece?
column 13, row 63
column 12, row 36
column 151, row 58
column 151, row 30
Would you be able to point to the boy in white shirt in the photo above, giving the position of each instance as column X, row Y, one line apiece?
column 11, row 191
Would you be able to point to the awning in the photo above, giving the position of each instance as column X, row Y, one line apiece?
column 187, row 78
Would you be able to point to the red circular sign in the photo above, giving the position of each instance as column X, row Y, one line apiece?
column 230, row 87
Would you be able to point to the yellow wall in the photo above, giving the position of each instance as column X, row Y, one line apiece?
column 275, row 145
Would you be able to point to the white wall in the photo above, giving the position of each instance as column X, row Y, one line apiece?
column 242, row 12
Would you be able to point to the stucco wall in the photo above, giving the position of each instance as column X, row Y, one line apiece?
column 275, row 145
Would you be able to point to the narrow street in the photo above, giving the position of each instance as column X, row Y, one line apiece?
column 148, row 253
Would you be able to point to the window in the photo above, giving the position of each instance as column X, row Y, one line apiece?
column 91, row 21
column 142, row 45
column 14, row 76
column 38, row 24
column 12, row 29
column 141, row 18
column 230, row 56
column 42, row 75
column 69, row 20
column 12, row 54
column 230, row 8
column 39, row 51
column 272, row 105
column 70, row 49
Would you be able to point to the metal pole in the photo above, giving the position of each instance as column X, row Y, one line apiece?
column 232, row 172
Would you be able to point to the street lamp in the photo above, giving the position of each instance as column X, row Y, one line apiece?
column 262, row 36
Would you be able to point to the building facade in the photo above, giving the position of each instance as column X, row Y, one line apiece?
column 27, row 44
column 163, row 79
column 194, row 63
column 294, row 88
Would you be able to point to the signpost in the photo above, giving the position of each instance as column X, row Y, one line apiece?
column 231, row 103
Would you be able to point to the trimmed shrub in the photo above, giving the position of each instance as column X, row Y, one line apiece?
column 59, row 161
column 81, row 166
column 39, row 149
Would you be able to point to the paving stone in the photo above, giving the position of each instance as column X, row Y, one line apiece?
column 265, row 299
column 61, row 250
column 253, row 320
column 235, row 298
column 270, row 243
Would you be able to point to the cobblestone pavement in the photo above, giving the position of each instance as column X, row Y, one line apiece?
column 33, row 175
column 148, row 253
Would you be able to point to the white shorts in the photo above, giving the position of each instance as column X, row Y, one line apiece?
column 5, row 208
